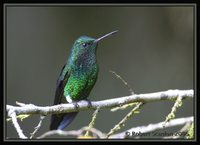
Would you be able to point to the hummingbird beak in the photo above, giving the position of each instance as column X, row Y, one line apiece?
column 104, row 36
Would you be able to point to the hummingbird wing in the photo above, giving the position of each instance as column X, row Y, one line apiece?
column 60, row 121
column 60, row 84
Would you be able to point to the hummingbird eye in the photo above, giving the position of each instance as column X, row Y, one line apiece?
column 84, row 44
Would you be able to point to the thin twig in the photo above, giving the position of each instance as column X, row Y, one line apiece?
column 91, row 124
column 122, row 122
column 122, row 107
column 38, row 126
column 190, row 133
column 125, row 83
column 171, row 115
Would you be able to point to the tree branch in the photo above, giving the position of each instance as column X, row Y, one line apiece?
column 85, row 105
column 12, row 114
column 151, row 127
column 98, row 134
column 78, row 133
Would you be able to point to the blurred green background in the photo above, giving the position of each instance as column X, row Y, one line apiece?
column 152, row 51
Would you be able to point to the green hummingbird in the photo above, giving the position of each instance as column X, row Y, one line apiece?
column 77, row 78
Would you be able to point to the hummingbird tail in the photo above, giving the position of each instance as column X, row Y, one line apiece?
column 62, row 121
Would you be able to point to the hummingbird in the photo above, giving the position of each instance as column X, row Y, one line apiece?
column 77, row 78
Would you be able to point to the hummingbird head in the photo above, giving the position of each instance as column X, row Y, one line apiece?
column 83, row 44
column 85, row 47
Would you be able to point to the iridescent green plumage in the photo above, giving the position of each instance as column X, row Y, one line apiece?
column 77, row 78
column 83, row 69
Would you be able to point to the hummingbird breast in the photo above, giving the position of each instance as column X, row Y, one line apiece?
column 82, row 78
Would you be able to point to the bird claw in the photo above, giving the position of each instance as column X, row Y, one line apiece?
column 76, row 105
column 89, row 103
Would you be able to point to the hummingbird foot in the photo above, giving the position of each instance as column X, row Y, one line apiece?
column 69, row 100
column 75, row 103
column 89, row 103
